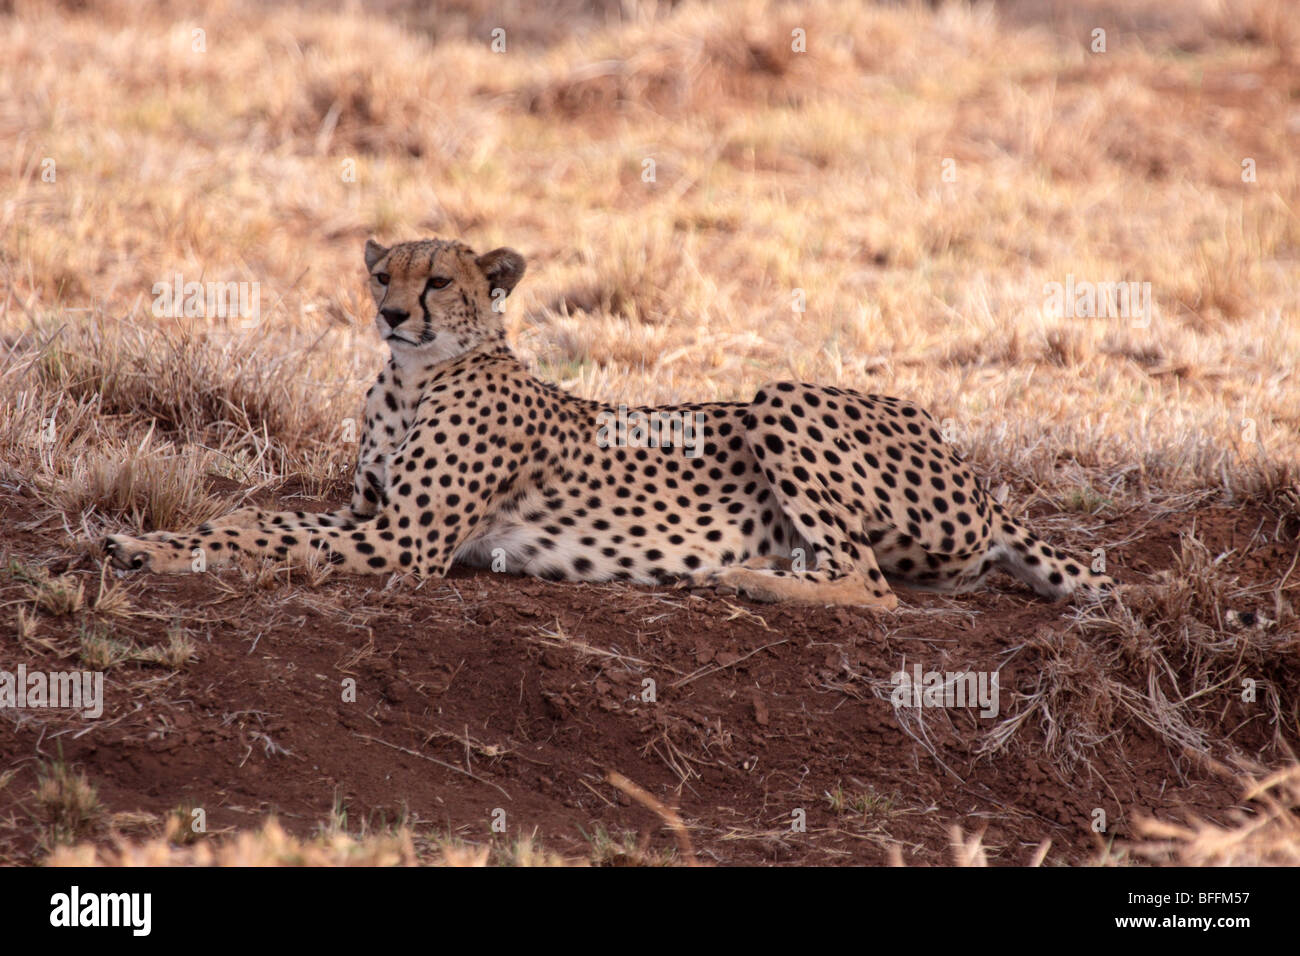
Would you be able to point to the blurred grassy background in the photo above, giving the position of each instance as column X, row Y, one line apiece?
column 253, row 141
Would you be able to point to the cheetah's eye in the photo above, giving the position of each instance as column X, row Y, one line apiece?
column 437, row 282
column 382, row 278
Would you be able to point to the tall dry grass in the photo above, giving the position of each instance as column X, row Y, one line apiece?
column 297, row 131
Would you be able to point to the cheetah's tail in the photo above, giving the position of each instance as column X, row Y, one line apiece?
column 1049, row 571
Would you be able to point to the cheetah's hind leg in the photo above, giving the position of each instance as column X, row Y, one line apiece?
column 843, row 565
column 771, row 578
column 822, row 586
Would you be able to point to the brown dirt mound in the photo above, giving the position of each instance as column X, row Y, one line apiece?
column 486, row 692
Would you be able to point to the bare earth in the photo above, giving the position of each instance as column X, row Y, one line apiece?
column 486, row 691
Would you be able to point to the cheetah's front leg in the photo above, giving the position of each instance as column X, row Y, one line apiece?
column 418, row 530
column 159, row 551
column 370, row 547
column 369, row 494
column 386, row 426
column 167, row 552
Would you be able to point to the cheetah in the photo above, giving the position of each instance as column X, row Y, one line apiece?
column 807, row 493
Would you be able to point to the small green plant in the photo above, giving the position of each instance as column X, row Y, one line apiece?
column 867, row 804
column 623, row 850
column 54, row 594
column 101, row 649
column 65, row 802
column 1085, row 500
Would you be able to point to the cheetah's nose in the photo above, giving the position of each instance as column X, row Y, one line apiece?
column 394, row 317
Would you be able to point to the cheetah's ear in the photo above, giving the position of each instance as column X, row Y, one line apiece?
column 503, row 268
column 374, row 252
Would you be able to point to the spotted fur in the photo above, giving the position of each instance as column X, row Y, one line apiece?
column 806, row 493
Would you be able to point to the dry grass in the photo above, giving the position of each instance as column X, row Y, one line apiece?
column 269, row 846
column 100, row 649
column 272, row 846
column 65, row 803
column 917, row 178
column 1267, row 833
column 774, row 171
column 1205, row 662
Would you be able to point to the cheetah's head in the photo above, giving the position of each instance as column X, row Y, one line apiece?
column 437, row 298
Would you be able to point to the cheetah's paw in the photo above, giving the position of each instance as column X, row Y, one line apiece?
column 161, row 552
column 734, row 580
